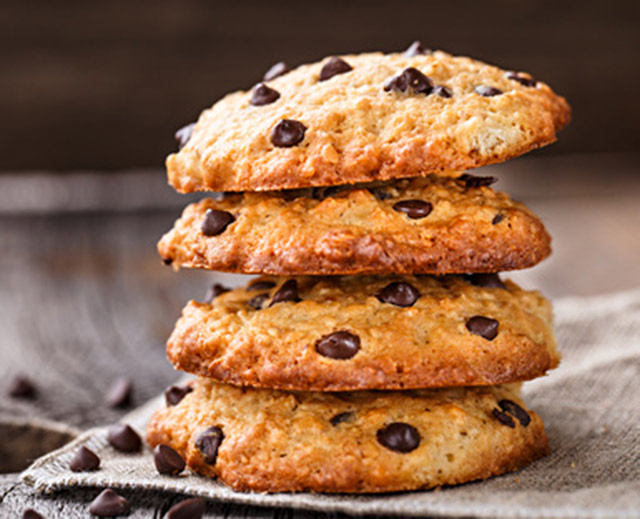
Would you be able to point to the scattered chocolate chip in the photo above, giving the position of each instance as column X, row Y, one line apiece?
column 396, row 84
column 214, row 291
column 527, row 81
column 260, row 285
column 209, row 442
column 109, row 504
column 416, row 49
column 183, row 135
column 215, row 222
column 497, row 219
column 257, row 301
column 475, row 181
column 123, row 438
column 338, row 345
column 504, row 418
column 485, row 280
column 30, row 513
column 188, row 509
column 487, row 91
column 414, row 209
column 340, row 417
column 380, row 193
column 173, row 395
column 398, row 293
column 333, row 67
column 287, row 133
column 288, row 292
column 21, row 387
column 483, row 326
column 410, row 78
column 263, row 95
column 442, row 91
column 84, row 460
column 509, row 406
column 277, row 70
column 399, row 437
column 167, row 261
column 119, row 393
column 167, row 460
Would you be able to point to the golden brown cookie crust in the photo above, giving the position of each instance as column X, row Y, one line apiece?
column 424, row 345
column 358, row 132
column 352, row 231
column 285, row 442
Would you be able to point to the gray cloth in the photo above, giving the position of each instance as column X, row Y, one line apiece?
column 590, row 405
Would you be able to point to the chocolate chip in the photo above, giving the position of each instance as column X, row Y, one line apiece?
column 167, row 460
column 416, row 49
column 414, row 209
column 215, row 222
column 257, row 301
column 488, row 91
column 173, row 395
column 21, row 387
column 183, row 135
column 287, row 292
column 109, row 504
column 214, row 291
column 508, row 406
column 277, row 70
column 167, row 261
column 503, row 418
column 338, row 345
column 497, row 219
column 84, row 460
column 333, row 67
column 397, row 83
column 527, row 81
column 287, row 133
column 340, row 417
column 485, row 280
column 483, row 326
column 399, row 437
column 442, row 91
column 475, row 181
column 209, row 442
column 263, row 95
column 260, row 285
column 188, row 509
column 123, row 438
column 30, row 513
column 410, row 78
column 119, row 393
column 398, row 293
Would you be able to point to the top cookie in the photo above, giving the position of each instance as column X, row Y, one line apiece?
column 366, row 117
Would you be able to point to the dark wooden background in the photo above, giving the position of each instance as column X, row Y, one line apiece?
column 104, row 84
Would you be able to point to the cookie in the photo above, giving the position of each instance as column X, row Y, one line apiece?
column 360, row 332
column 366, row 117
column 432, row 225
column 274, row 441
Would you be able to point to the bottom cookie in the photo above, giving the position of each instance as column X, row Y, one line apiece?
column 279, row 441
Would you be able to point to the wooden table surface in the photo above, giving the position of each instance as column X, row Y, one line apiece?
column 84, row 298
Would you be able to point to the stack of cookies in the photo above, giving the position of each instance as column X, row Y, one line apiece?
column 380, row 350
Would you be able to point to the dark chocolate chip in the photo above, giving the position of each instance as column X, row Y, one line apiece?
column 214, row 291
column 416, row 49
column 410, row 78
column 504, row 418
column 183, row 135
column 287, row 133
column 483, row 326
column 260, row 285
column 120, row 393
column 215, row 222
column 167, row 460
column 509, row 406
column 398, row 293
column 21, row 387
column 109, row 504
column 263, row 95
column 84, row 460
column 277, row 70
column 209, row 442
column 527, row 81
column 414, row 209
column 475, row 181
column 167, row 261
column 173, row 395
column 340, row 417
column 333, row 67
column 123, row 438
column 497, row 219
column 257, row 301
column 487, row 91
column 287, row 292
column 396, row 84
column 188, row 509
column 30, row 513
column 399, row 437
column 485, row 280
column 442, row 91
column 338, row 345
